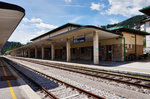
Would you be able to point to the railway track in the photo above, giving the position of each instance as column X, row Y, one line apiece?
column 65, row 90
column 42, row 89
column 121, row 78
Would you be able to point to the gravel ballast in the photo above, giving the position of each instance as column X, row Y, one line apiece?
column 108, row 89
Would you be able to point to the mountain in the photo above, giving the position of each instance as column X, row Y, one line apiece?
column 9, row 46
column 130, row 23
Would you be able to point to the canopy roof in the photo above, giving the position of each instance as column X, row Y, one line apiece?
column 145, row 10
column 126, row 29
column 87, row 31
column 10, row 17
column 57, row 29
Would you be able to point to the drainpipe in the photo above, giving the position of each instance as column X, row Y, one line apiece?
column 124, row 49
column 135, row 45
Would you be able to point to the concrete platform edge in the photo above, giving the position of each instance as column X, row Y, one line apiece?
column 25, row 87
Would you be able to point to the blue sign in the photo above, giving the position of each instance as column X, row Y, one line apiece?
column 79, row 40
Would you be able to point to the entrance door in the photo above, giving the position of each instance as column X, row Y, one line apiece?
column 109, row 53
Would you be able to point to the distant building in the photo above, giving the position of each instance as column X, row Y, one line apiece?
column 145, row 26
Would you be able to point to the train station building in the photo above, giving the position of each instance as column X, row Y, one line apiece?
column 85, row 42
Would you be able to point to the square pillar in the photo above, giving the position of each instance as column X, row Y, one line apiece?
column 43, row 54
column 29, row 54
column 68, row 50
column 52, row 51
column 25, row 52
column 22, row 52
column 96, row 47
column 36, row 52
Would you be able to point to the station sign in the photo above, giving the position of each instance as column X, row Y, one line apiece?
column 79, row 40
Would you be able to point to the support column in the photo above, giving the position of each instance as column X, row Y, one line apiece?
column 68, row 50
column 43, row 54
column 35, row 52
column 23, row 53
column 96, row 47
column 52, row 51
column 29, row 54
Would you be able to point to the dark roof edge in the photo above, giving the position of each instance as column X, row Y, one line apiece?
column 132, row 31
column 145, row 8
column 56, row 29
column 9, row 6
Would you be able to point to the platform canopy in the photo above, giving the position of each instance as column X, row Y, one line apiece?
column 86, row 31
column 10, row 17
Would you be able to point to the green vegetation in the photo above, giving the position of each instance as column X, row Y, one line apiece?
column 130, row 23
column 10, row 46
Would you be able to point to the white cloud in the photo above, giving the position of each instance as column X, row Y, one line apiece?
column 25, row 20
column 36, row 20
column 33, row 20
column 113, row 21
column 126, row 7
column 97, row 7
column 30, row 28
column 68, row 0
column 75, row 19
column 42, row 32
column 45, row 26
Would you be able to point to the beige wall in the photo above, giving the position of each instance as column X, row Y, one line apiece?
column 111, row 41
column 130, row 38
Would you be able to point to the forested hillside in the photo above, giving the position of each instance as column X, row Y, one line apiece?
column 9, row 46
column 130, row 23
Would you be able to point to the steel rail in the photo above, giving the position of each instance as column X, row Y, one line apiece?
column 86, row 71
column 62, row 82
column 42, row 88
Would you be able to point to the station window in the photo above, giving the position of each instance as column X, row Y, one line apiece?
column 129, row 45
column 82, row 50
column 132, row 45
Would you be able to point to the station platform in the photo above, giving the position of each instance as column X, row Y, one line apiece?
column 138, row 68
column 12, row 86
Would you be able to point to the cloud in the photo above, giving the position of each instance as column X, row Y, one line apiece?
column 75, row 19
column 68, row 0
column 36, row 20
column 42, row 32
column 113, row 21
column 30, row 28
column 126, row 8
column 32, row 20
column 45, row 26
column 97, row 7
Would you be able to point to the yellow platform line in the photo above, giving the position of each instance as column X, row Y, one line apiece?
column 9, row 84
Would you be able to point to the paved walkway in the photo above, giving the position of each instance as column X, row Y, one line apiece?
column 13, row 88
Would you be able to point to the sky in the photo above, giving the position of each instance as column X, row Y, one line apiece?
column 44, row 15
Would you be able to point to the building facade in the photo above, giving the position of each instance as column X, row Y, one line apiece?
column 145, row 26
column 85, row 43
